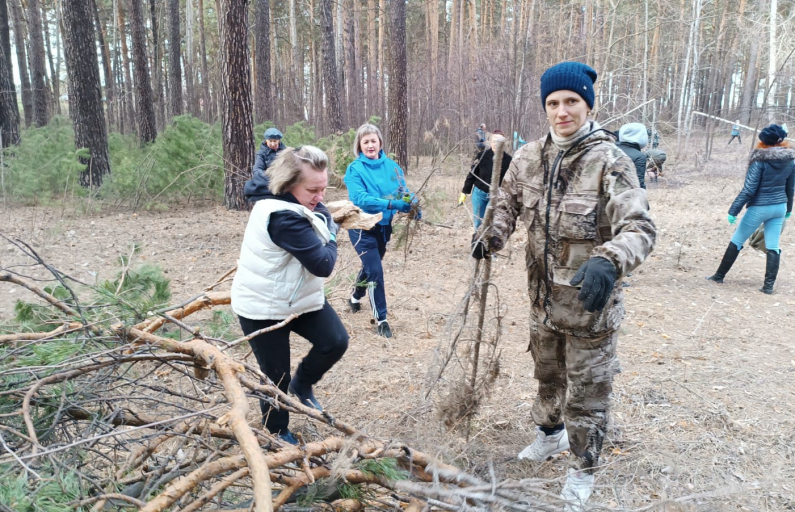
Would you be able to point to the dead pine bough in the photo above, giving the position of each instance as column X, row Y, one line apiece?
column 109, row 399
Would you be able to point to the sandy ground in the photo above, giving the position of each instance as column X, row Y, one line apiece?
column 702, row 410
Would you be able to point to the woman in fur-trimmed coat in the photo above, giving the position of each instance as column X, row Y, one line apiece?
column 768, row 193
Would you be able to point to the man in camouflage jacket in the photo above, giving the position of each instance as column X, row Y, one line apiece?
column 577, row 205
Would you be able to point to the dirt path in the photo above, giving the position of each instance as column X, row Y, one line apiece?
column 703, row 407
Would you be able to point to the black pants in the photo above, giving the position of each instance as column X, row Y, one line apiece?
column 735, row 137
column 329, row 339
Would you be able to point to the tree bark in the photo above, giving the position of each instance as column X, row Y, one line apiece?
column 22, row 60
column 330, row 85
column 174, row 64
column 372, row 60
column 398, row 84
column 125, row 53
column 55, row 79
column 205, row 82
column 190, row 53
column 238, row 129
column 750, row 83
column 263, row 98
column 147, row 129
column 9, row 111
column 110, row 92
column 85, row 98
column 41, row 105
column 351, row 73
column 159, row 96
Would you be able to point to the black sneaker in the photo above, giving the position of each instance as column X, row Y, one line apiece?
column 355, row 307
column 304, row 393
column 384, row 330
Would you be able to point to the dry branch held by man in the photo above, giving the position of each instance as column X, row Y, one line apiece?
column 288, row 249
column 588, row 226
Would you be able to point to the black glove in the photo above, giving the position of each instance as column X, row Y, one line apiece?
column 598, row 277
column 480, row 249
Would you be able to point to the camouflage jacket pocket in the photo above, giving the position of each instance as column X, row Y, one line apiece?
column 531, row 201
column 577, row 219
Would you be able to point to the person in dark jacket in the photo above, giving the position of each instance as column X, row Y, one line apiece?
column 768, row 193
column 288, row 250
column 632, row 138
column 478, row 180
column 480, row 137
column 257, row 187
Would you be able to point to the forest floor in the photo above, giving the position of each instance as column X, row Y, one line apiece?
column 702, row 412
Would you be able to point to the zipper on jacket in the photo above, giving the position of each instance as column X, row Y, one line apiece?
column 295, row 292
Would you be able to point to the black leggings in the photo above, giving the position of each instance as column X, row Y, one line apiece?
column 329, row 339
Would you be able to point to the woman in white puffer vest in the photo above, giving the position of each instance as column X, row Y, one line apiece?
column 289, row 248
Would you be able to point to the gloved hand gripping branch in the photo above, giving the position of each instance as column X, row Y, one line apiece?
column 482, row 245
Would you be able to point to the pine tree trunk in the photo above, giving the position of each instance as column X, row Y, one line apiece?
column 41, row 105
column 398, row 84
column 330, row 85
column 22, row 60
column 238, row 129
column 190, row 52
column 264, row 100
column 147, row 129
column 351, row 74
column 110, row 92
column 174, row 64
column 750, row 83
column 205, row 94
column 128, row 83
column 55, row 79
column 381, row 64
column 85, row 94
column 372, row 60
column 9, row 111
column 158, row 97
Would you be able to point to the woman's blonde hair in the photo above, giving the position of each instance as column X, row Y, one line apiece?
column 366, row 129
column 286, row 171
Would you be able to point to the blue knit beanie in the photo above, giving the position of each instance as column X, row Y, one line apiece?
column 772, row 135
column 569, row 76
column 273, row 134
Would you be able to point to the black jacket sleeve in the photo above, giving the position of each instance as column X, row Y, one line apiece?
column 506, row 162
column 750, row 187
column 295, row 234
column 259, row 161
column 469, row 182
column 790, row 188
column 640, row 168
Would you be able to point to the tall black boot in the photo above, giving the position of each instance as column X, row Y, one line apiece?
column 771, row 271
column 729, row 257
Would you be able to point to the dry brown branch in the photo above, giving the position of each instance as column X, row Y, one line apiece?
column 216, row 489
column 261, row 331
column 110, row 496
column 228, row 370
column 204, row 301
column 37, row 336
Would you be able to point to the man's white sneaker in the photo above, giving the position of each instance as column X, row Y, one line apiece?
column 546, row 445
column 578, row 488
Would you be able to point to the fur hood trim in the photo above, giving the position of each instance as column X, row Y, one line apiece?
column 774, row 153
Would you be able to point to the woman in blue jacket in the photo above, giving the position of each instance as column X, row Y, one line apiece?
column 768, row 192
column 376, row 185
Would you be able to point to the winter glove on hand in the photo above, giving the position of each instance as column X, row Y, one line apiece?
column 732, row 219
column 788, row 215
column 462, row 198
column 598, row 277
column 400, row 205
column 479, row 248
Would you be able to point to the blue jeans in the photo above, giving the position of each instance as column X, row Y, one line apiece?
column 773, row 217
column 371, row 247
column 480, row 200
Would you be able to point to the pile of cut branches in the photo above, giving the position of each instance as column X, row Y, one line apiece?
column 111, row 399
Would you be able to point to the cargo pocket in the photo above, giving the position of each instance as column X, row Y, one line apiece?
column 531, row 199
column 577, row 234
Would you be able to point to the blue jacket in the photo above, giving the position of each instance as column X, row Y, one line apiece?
column 770, row 179
column 257, row 187
column 373, row 183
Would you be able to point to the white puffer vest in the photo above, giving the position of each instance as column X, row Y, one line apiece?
column 270, row 283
